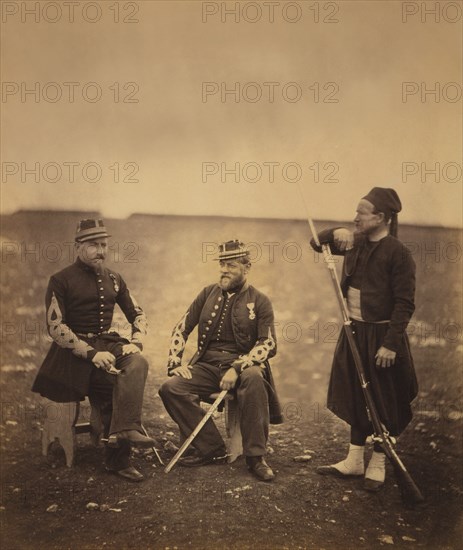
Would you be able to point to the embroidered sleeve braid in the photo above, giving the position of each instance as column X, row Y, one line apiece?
column 133, row 312
column 184, row 328
column 61, row 333
column 139, row 324
column 177, row 344
column 259, row 353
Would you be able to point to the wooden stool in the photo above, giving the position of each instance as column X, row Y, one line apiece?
column 61, row 424
column 232, row 426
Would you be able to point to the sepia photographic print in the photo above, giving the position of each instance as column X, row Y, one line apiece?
column 231, row 274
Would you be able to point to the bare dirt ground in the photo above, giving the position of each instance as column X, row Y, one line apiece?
column 223, row 506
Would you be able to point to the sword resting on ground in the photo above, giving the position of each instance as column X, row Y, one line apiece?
column 196, row 431
column 410, row 493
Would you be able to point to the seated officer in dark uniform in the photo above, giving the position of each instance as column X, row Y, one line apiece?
column 235, row 339
column 85, row 358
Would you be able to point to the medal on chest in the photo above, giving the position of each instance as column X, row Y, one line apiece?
column 114, row 280
column 252, row 313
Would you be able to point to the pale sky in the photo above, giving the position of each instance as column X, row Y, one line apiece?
column 356, row 124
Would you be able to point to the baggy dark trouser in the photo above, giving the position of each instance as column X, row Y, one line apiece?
column 393, row 388
column 120, row 399
column 181, row 398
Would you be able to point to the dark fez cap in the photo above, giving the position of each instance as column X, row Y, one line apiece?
column 384, row 200
column 90, row 229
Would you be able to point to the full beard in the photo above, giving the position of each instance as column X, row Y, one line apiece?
column 97, row 264
column 230, row 283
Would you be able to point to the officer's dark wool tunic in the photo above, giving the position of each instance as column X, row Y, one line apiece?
column 230, row 326
column 79, row 308
column 387, row 288
column 252, row 324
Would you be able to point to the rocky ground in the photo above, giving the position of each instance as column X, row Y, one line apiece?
column 44, row 504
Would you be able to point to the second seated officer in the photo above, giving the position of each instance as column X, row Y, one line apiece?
column 236, row 338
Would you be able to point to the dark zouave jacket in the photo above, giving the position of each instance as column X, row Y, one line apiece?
column 79, row 310
column 253, row 330
column 388, row 283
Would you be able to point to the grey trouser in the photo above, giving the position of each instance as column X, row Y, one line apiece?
column 181, row 398
column 120, row 399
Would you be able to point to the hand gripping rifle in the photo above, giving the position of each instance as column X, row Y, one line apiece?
column 410, row 493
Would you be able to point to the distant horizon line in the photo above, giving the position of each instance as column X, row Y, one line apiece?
column 97, row 213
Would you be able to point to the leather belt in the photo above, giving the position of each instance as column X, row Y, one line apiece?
column 92, row 334
column 370, row 322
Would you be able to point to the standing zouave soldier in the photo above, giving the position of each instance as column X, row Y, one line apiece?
column 378, row 282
